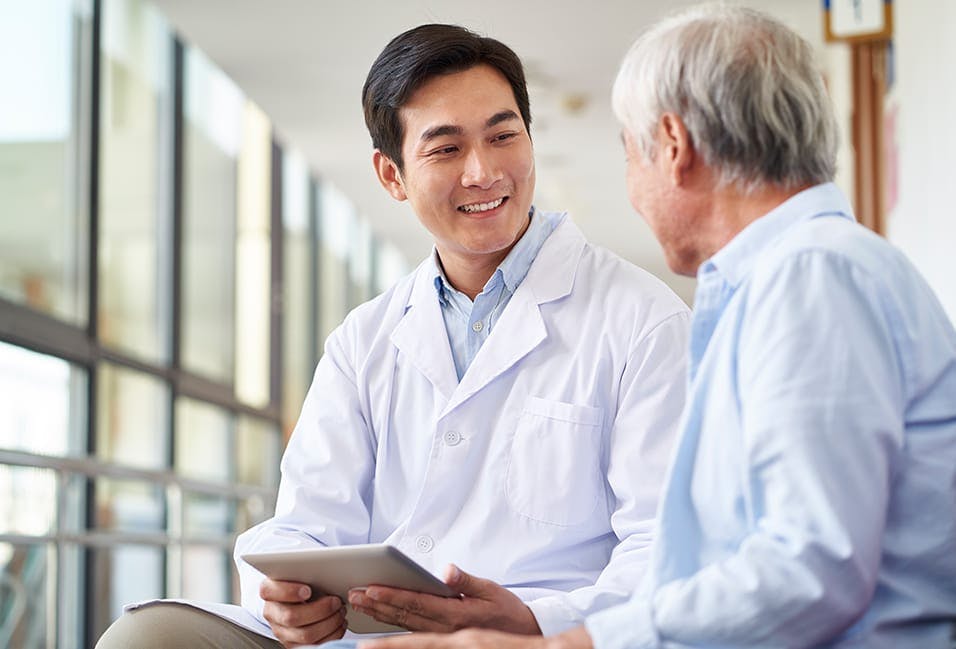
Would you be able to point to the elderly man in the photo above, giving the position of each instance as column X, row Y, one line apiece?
column 811, row 499
column 509, row 407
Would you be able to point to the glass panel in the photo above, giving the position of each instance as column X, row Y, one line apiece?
column 27, row 500
column 135, row 152
column 390, row 266
column 70, row 596
column 259, row 451
column 207, row 516
column 211, row 140
column 129, row 506
column 123, row 574
column 72, row 518
column 204, row 445
column 298, row 355
column 133, row 418
column 360, row 262
column 253, row 254
column 335, row 217
column 27, row 595
column 43, row 403
column 253, row 510
column 43, row 156
column 206, row 573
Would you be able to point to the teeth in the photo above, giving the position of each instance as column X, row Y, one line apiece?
column 481, row 207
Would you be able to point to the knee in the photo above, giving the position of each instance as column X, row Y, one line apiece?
column 150, row 627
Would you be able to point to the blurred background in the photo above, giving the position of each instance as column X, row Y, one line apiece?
column 188, row 208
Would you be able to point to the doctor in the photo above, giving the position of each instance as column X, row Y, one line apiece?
column 508, row 408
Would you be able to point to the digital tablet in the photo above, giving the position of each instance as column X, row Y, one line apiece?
column 334, row 571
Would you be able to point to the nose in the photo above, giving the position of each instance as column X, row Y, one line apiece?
column 481, row 169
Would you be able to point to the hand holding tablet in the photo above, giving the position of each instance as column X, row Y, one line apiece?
column 336, row 570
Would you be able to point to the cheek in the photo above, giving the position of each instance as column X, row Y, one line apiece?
column 428, row 186
column 522, row 164
column 632, row 184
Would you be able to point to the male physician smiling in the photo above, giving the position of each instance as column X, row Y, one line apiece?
column 509, row 407
column 468, row 173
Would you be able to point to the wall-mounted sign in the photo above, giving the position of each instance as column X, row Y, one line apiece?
column 856, row 21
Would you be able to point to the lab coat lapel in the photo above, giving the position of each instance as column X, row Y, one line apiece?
column 420, row 335
column 522, row 327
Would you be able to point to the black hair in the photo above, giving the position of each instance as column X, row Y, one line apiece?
column 417, row 55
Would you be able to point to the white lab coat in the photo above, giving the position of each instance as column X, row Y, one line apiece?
column 540, row 470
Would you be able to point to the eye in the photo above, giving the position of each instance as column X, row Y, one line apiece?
column 444, row 150
column 503, row 137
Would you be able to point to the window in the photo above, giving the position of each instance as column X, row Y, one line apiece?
column 133, row 418
column 151, row 232
column 253, row 259
column 212, row 136
column 42, row 399
column 298, row 229
column 42, row 156
column 336, row 219
column 136, row 120
column 204, row 440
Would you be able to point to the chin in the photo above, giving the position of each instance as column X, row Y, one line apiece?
column 682, row 266
column 488, row 248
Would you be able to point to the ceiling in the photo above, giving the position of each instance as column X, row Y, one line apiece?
column 304, row 62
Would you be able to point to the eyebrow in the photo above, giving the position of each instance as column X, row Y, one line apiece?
column 450, row 129
column 498, row 118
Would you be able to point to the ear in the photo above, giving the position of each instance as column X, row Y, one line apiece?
column 389, row 175
column 675, row 149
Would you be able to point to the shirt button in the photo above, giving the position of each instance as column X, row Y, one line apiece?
column 477, row 326
column 424, row 543
column 452, row 437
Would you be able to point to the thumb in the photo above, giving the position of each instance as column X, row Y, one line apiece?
column 461, row 582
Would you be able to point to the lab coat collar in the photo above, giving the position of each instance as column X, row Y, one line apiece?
column 421, row 335
column 521, row 327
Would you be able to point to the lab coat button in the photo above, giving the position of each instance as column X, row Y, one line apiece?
column 477, row 326
column 424, row 543
column 452, row 437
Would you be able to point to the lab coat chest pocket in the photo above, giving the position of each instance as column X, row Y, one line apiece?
column 554, row 474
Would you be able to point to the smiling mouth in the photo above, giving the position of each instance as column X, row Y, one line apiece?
column 478, row 208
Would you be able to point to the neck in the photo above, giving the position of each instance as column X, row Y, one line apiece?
column 469, row 274
column 732, row 211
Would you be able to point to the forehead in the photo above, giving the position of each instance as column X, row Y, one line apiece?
column 463, row 99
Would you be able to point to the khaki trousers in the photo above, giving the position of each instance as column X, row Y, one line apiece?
column 177, row 626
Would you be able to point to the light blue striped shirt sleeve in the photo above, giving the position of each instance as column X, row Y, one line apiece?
column 811, row 498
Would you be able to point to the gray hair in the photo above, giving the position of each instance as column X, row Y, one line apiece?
column 745, row 86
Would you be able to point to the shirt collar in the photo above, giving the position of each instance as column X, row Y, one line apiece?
column 513, row 269
column 734, row 261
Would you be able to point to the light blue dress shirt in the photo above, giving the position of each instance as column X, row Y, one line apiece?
column 470, row 323
column 812, row 496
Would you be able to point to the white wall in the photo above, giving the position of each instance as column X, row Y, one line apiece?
column 923, row 221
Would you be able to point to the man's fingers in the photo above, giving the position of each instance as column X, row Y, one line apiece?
column 401, row 617
column 429, row 606
column 328, row 629
column 409, row 600
column 284, row 591
column 466, row 584
column 401, row 608
column 302, row 614
column 336, row 633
